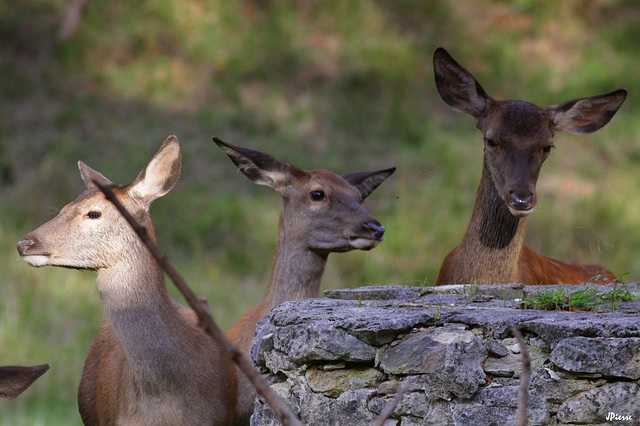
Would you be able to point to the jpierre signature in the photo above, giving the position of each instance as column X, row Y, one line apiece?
column 613, row 416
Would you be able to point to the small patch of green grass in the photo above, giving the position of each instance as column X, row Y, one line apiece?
column 580, row 299
column 472, row 289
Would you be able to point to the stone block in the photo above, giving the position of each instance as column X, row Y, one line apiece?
column 607, row 356
column 593, row 406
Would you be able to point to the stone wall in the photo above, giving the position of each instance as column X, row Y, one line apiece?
column 337, row 361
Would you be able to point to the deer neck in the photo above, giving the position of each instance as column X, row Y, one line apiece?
column 494, row 237
column 297, row 270
column 145, row 322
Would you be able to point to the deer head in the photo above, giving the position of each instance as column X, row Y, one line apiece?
column 69, row 239
column 518, row 135
column 321, row 210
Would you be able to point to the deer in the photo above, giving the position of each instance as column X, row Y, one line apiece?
column 150, row 363
column 16, row 379
column 321, row 213
column 518, row 138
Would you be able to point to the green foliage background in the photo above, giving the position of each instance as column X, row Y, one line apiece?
column 345, row 85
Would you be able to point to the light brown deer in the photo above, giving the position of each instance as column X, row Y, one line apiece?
column 150, row 363
column 16, row 379
column 518, row 137
column 321, row 214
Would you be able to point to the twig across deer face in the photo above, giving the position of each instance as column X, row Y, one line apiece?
column 150, row 363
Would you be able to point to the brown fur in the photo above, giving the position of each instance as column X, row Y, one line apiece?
column 107, row 391
column 518, row 138
column 308, row 231
column 151, row 364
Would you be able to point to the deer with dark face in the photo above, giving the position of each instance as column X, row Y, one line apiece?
column 321, row 214
column 518, row 138
column 151, row 364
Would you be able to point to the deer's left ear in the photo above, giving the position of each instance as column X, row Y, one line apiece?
column 367, row 182
column 160, row 175
column 586, row 115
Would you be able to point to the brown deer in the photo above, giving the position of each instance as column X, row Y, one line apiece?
column 15, row 379
column 518, row 137
column 321, row 214
column 150, row 363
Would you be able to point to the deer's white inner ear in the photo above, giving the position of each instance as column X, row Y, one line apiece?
column 160, row 175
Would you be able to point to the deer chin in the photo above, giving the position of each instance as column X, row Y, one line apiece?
column 37, row 260
column 361, row 243
column 521, row 213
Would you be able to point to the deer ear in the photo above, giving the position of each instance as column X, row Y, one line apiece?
column 160, row 175
column 259, row 167
column 457, row 86
column 14, row 379
column 586, row 115
column 367, row 182
column 89, row 176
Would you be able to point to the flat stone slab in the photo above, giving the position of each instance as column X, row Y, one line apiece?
column 486, row 296
column 609, row 356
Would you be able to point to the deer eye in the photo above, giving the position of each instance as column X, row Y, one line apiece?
column 317, row 195
column 547, row 149
column 491, row 143
column 93, row 214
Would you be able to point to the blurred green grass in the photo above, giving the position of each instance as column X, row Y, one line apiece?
column 343, row 85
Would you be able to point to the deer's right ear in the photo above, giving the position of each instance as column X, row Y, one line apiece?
column 586, row 115
column 89, row 176
column 259, row 167
column 457, row 86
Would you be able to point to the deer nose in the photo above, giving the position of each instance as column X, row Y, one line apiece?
column 24, row 245
column 376, row 229
column 520, row 202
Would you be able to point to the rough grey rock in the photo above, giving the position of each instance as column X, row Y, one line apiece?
column 553, row 388
column 593, row 406
column 340, row 361
column 608, row 356
column 445, row 360
column 384, row 328
column 388, row 387
column 375, row 292
column 511, row 365
column 350, row 408
column 496, row 348
column 414, row 404
column 334, row 382
column 321, row 340
column 498, row 406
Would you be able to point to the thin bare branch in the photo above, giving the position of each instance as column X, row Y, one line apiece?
column 389, row 408
column 525, row 376
column 279, row 407
column 72, row 19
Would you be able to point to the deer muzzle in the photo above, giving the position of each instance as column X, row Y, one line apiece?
column 376, row 229
column 521, row 204
column 368, row 237
column 29, row 251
